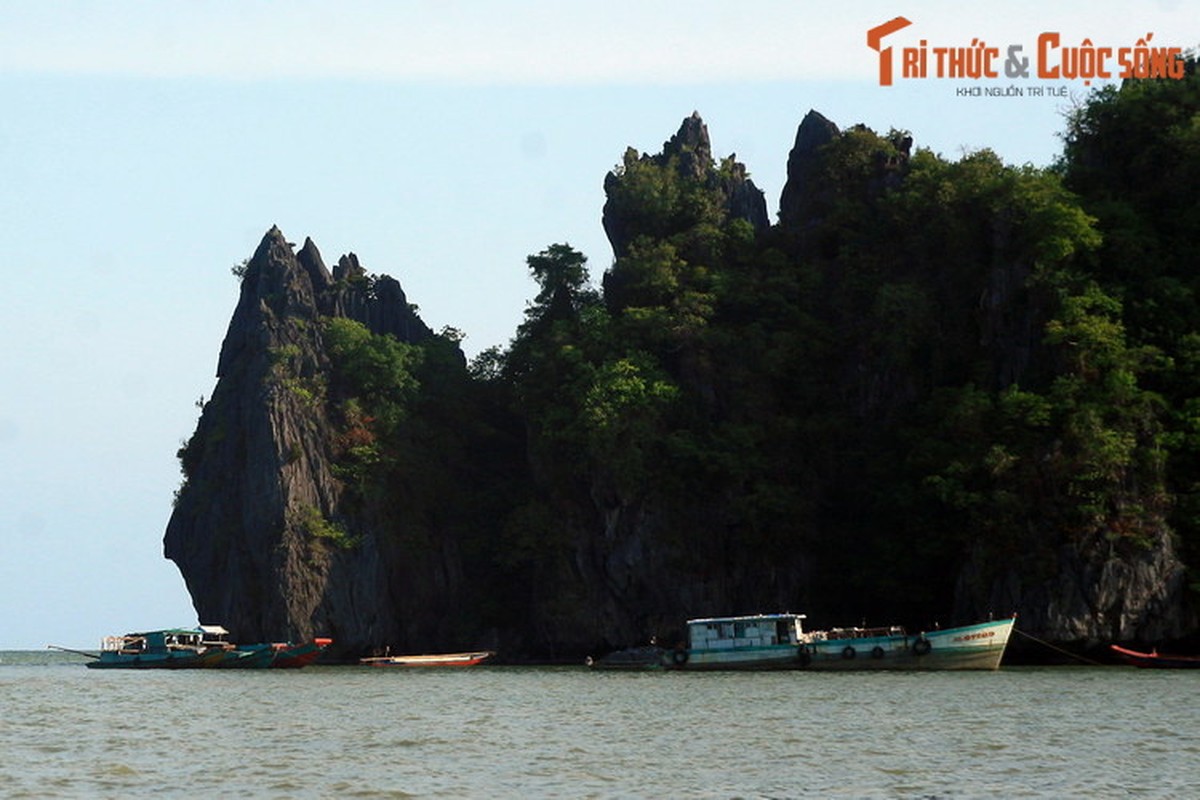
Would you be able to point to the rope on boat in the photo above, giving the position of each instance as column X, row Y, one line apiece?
column 1068, row 653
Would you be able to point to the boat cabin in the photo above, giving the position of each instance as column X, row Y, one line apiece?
column 213, row 636
column 166, row 640
column 759, row 630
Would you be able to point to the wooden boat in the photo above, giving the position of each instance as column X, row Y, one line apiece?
column 173, row 648
column 779, row 641
column 1155, row 660
column 295, row 656
column 431, row 660
column 285, row 655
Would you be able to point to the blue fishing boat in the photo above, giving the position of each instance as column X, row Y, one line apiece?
column 779, row 641
column 172, row 648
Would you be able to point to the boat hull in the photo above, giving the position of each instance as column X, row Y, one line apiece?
column 173, row 660
column 295, row 656
column 768, row 657
column 972, row 647
column 253, row 656
column 967, row 648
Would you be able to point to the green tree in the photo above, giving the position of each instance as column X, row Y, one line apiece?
column 375, row 387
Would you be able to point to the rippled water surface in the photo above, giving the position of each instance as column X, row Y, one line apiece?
column 66, row 731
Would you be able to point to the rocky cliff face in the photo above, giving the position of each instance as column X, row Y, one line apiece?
column 1084, row 597
column 256, row 526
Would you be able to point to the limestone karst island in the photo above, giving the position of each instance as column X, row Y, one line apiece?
column 928, row 392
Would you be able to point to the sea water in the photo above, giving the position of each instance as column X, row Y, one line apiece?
column 495, row 731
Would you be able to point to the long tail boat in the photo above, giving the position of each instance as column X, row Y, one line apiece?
column 430, row 660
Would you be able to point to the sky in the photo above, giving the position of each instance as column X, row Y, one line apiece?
column 146, row 148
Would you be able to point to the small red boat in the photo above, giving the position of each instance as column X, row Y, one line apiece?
column 1154, row 660
column 432, row 660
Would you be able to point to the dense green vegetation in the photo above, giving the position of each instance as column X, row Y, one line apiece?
column 935, row 361
column 1133, row 156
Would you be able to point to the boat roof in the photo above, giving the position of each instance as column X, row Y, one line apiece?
column 213, row 629
column 784, row 616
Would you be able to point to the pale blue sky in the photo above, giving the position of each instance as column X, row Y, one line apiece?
column 145, row 147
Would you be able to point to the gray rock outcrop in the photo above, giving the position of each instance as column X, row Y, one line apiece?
column 251, row 529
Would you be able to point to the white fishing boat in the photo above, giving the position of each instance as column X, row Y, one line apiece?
column 779, row 641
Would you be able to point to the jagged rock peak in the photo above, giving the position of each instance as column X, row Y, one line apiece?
column 310, row 259
column 280, row 278
column 692, row 145
column 689, row 153
column 272, row 248
column 348, row 268
column 282, row 283
column 274, row 285
column 815, row 132
column 692, row 134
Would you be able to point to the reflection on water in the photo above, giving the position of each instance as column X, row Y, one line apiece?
column 567, row 732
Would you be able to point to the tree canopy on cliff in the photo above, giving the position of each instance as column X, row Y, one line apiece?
column 921, row 363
